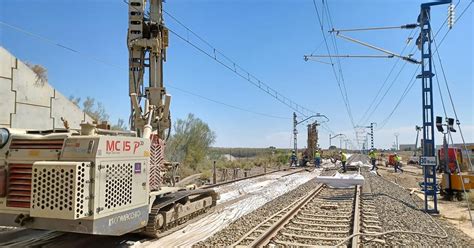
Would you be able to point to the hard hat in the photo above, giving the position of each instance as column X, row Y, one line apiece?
column 395, row 153
column 340, row 151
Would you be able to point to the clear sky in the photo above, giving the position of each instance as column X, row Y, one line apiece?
column 267, row 38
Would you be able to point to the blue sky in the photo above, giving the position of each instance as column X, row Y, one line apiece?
column 267, row 38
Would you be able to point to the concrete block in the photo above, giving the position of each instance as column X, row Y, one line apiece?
column 7, row 102
column 32, row 117
column 24, row 103
column 62, row 107
column 28, row 90
column 7, row 62
column 88, row 118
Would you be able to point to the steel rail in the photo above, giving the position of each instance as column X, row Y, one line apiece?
column 356, row 220
column 290, row 212
column 265, row 238
column 281, row 212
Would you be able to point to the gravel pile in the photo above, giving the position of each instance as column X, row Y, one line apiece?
column 237, row 229
column 399, row 211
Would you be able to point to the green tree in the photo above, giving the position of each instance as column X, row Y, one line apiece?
column 190, row 141
column 97, row 111
column 120, row 125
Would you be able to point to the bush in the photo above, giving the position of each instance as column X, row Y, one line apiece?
column 190, row 142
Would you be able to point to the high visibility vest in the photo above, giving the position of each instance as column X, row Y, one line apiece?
column 397, row 158
column 372, row 155
column 343, row 157
column 317, row 155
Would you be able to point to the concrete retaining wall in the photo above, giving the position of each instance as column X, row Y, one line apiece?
column 28, row 104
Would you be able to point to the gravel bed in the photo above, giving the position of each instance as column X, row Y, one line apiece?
column 234, row 231
column 398, row 210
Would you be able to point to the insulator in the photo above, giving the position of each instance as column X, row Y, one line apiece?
column 450, row 16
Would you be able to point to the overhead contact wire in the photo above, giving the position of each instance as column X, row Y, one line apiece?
column 238, row 70
column 40, row 37
column 435, row 52
column 363, row 120
column 344, row 96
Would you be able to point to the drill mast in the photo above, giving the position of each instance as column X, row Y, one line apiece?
column 147, row 40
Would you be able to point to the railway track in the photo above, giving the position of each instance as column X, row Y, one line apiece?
column 324, row 217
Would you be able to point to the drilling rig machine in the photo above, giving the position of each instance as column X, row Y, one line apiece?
column 98, row 181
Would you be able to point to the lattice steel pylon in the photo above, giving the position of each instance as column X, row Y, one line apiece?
column 424, row 43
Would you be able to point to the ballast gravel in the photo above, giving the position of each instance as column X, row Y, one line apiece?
column 398, row 210
column 234, row 231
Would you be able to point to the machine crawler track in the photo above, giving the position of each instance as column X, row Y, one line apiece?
column 168, row 213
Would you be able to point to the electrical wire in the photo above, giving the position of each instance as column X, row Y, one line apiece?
column 339, row 79
column 435, row 52
column 454, row 110
column 400, row 100
column 459, row 18
column 451, row 101
column 226, row 104
column 40, row 37
column 332, row 64
column 318, row 46
column 336, row 49
column 466, row 195
column 234, row 67
column 251, row 79
column 384, row 83
column 242, row 72
column 334, row 41
column 439, row 90
column 47, row 40
column 389, row 88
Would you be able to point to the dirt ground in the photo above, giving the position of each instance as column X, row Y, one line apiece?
column 456, row 212
column 409, row 179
